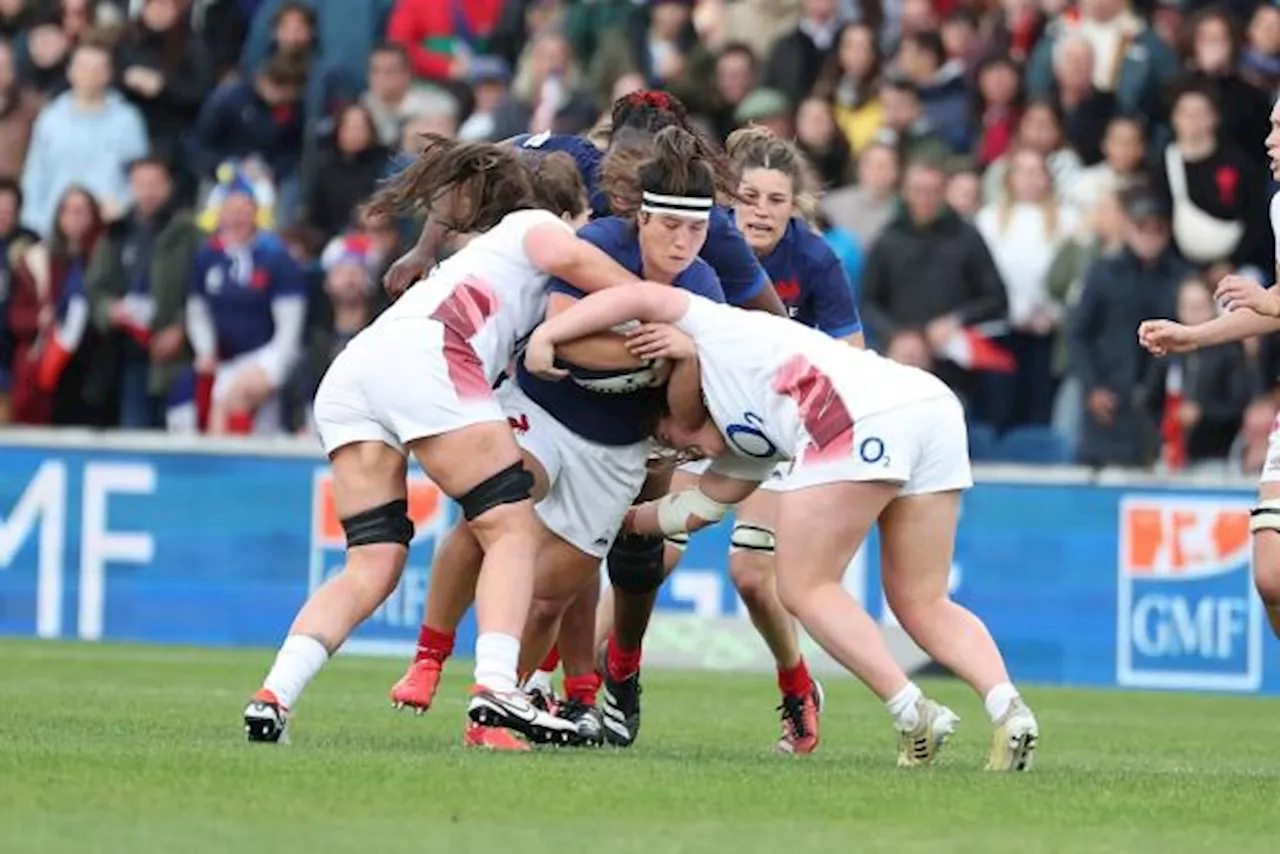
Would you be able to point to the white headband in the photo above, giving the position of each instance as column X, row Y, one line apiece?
column 689, row 207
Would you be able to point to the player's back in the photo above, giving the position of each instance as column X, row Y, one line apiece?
column 489, row 292
column 769, row 366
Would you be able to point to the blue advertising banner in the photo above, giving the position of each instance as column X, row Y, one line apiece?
column 1137, row 586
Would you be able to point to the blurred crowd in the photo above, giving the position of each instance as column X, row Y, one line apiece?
column 1012, row 184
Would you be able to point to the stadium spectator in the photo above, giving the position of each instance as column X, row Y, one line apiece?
column 768, row 108
column 737, row 72
column 547, row 95
column 1085, row 110
column 1129, row 58
column 798, row 57
column 944, row 91
column 165, row 71
column 1024, row 231
column 1198, row 398
column 851, row 81
column 865, row 209
column 14, row 240
column 1120, row 291
column 821, row 142
column 491, row 85
column 1040, row 129
column 1215, row 191
column 998, row 103
column 1124, row 153
column 19, row 106
column 659, row 43
column 930, row 276
column 259, row 118
column 16, row 18
column 1260, row 59
column 44, row 56
column 85, row 137
column 49, row 319
column 964, row 190
column 136, row 284
column 392, row 98
column 443, row 36
column 245, row 311
column 1212, row 53
column 907, row 124
column 344, row 173
column 336, row 40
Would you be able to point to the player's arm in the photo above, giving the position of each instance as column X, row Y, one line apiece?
column 603, row 351
column 557, row 251
column 1235, row 325
column 745, row 282
column 684, row 394
column 691, row 509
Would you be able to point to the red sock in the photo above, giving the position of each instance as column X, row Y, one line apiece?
column 795, row 682
column 582, row 688
column 240, row 423
column 620, row 662
column 433, row 645
column 552, row 661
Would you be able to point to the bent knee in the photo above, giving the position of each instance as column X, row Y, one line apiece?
column 752, row 576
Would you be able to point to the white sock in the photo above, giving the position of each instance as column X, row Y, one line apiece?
column 299, row 660
column 497, row 656
column 998, row 700
column 902, row 706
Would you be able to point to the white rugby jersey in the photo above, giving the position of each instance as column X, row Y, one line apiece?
column 489, row 293
column 779, row 390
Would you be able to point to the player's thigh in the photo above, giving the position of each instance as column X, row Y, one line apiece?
column 1265, row 525
column 563, row 570
column 917, row 544
column 366, row 475
column 814, row 545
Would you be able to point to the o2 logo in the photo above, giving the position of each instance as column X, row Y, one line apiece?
column 749, row 439
column 871, row 450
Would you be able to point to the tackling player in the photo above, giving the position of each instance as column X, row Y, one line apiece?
column 777, row 391
column 420, row 380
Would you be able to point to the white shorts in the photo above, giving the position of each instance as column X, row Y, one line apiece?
column 1271, row 468
column 592, row 485
column 924, row 446
column 393, row 384
column 268, row 417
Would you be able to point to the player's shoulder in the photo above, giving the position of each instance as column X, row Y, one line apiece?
column 578, row 146
column 608, row 233
column 811, row 248
column 700, row 279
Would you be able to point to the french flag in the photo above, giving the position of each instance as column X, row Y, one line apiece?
column 61, row 343
column 973, row 349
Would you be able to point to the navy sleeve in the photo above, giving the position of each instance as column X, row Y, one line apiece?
column 726, row 250
column 833, row 306
column 700, row 279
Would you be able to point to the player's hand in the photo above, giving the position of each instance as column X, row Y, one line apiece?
column 1162, row 337
column 540, row 358
column 404, row 270
column 1237, row 292
column 660, row 341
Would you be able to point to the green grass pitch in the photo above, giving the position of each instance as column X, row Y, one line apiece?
column 107, row 748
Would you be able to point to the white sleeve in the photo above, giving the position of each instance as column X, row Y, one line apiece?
column 289, row 314
column 200, row 328
column 740, row 467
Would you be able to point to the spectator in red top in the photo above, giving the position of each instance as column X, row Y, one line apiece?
column 441, row 36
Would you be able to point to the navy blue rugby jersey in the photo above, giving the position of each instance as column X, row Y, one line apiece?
column 812, row 283
column 610, row 419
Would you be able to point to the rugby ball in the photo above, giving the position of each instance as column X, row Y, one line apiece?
column 620, row 381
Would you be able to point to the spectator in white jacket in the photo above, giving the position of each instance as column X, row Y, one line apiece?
column 85, row 137
column 1024, row 230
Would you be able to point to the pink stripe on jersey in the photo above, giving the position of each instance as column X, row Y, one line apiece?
column 467, row 307
column 823, row 413
column 463, row 313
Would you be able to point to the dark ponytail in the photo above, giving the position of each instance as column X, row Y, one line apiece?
column 676, row 162
column 471, row 186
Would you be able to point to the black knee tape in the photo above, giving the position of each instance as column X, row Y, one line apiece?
column 388, row 523
column 635, row 563
column 509, row 486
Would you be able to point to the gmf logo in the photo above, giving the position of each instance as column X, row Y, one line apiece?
column 431, row 512
column 1188, row 617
